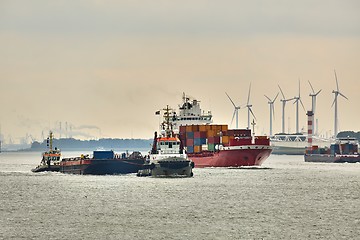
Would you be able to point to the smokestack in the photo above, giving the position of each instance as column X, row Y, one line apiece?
column 310, row 115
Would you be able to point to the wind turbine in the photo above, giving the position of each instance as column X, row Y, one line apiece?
column 236, row 112
column 337, row 92
column 313, row 96
column 272, row 110
column 283, row 100
column 248, row 105
column 297, row 100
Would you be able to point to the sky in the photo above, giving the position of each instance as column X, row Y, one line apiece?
column 102, row 68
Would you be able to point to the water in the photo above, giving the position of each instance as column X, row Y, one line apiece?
column 286, row 199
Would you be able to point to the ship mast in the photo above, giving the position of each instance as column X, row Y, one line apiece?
column 168, row 130
column 51, row 141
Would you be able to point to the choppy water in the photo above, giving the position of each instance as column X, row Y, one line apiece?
column 287, row 199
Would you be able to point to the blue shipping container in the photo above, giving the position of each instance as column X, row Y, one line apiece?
column 103, row 154
column 190, row 135
column 199, row 141
column 190, row 149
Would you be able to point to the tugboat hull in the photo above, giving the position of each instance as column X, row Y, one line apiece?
column 46, row 168
column 168, row 168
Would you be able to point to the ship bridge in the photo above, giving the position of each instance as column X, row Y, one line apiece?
column 190, row 113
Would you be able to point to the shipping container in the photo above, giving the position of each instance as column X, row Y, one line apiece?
column 189, row 135
column 262, row 141
column 190, row 149
column 190, row 142
column 211, row 133
column 211, row 147
column 103, row 154
column 197, row 149
column 199, row 141
column 202, row 128
column 182, row 129
column 225, row 139
column 215, row 140
column 189, row 128
column 200, row 134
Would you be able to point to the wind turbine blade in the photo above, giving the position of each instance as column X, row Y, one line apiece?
column 267, row 97
column 281, row 92
column 249, row 95
column 299, row 87
column 311, row 87
column 230, row 100
column 286, row 100
column 302, row 105
column 233, row 117
column 334, row 100
column 318, row 92
column 252, row 113
column 337, row 84
column 343, row 95
column 275, row 97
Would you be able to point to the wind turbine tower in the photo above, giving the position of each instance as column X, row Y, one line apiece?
column 272, row 111
column 313, row 96
column 236, row 112
column 248, row 105
column 297, row 100
column 283, row 100
column 336, row 94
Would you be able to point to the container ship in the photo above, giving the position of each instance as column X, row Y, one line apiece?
column 211, row 145
column 103, row 163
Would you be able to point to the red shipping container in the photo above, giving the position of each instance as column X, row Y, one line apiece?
column 260, row 141
column 182, row 129
column 199, row 134
column 190, row 142
column 213, row 140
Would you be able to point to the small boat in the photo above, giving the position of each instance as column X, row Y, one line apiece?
column 50, row 159
column 344, row 150
column 167, row 157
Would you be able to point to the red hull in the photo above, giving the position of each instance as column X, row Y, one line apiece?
column 231, row 157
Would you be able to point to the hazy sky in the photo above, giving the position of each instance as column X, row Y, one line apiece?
column 110, row 65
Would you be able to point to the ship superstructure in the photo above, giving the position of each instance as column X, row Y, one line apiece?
column 189, row 113
column 167, row 157
column 50, row 159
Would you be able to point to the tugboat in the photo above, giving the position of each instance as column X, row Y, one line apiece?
column 51, row 159
column 167, row 157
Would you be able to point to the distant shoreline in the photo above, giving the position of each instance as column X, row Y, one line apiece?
column 71, row 144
